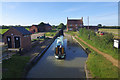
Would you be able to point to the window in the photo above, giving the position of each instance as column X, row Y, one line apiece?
column 16, row 38
column 80, row 24
column 76, row 24
column 8, row 39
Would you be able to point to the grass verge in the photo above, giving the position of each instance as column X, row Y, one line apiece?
column 14, row 67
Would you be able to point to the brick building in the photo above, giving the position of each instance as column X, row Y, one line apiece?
column 33, row 28
column 38, row 28
column 17, row 37
column 94, row 28
column 74, row 24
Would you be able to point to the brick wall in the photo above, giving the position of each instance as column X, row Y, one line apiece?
column 48, row 28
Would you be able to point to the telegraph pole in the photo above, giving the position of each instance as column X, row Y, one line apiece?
column 88, row 28
column 88, row 22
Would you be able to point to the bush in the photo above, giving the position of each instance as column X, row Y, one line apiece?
column 108, row 37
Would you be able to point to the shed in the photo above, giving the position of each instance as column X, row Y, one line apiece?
column 17, row 38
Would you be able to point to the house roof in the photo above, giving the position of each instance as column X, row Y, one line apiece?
column 75, row 21
column 34, row 25
column 48, row 24
column 22, row 30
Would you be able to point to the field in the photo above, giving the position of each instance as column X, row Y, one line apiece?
column 2, row 31
column 115, row 32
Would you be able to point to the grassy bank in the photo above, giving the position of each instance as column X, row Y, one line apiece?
column 99, row 66
column 14, row 67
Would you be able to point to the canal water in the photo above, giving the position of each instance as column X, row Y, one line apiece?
column 70, row 67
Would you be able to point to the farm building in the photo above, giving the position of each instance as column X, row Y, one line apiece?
column 94, row 28
column 17, row 38
column 74, row 24
column 33, row 28
column 38, row 28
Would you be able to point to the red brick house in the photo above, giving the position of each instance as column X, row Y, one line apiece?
column 17, row 37
column 74, row 24
column 38, row 28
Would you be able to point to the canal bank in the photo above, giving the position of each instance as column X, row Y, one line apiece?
column 88, row 74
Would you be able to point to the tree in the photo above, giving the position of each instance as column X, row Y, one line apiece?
column 53, row 26
column 61, row 26
column 18, row 25
column 99, row 25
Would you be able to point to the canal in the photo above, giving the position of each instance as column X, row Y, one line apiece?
column 71, row 67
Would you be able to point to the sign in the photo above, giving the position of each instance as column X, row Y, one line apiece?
column 70, row 29
column 116, row 43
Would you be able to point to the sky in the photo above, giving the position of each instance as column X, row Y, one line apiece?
column 54, row 13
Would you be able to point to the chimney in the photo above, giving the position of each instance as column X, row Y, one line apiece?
column 82, row 18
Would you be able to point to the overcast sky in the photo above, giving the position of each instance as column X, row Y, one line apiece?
column 28, row 13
